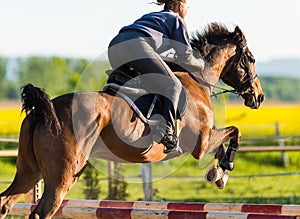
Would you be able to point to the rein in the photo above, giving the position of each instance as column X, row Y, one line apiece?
column 222, row 92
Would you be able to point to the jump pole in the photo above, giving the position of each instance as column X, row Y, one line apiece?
column 191, row 206
column 84, row 212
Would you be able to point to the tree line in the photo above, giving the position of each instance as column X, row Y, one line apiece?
column 281, row 88
column 54, row 74
column 63, row 75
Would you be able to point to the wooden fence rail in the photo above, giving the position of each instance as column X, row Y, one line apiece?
column 269, row 149
column 9, row 140
column 35, row 193
column 14, row 153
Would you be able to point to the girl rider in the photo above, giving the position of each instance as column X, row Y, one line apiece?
column 138, row 45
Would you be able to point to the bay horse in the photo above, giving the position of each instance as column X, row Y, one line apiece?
column 58, row 136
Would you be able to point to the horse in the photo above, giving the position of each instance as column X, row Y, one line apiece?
column 58, row 136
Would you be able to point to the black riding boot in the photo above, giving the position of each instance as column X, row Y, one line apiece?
column 170, row 139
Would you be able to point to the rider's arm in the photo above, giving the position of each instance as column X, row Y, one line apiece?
column 194, row 64
column 184, row 51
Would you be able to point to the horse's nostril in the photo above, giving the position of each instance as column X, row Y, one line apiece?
column 261, row 98
column 3, row 210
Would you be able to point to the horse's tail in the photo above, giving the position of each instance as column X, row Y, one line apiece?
column 40, row 109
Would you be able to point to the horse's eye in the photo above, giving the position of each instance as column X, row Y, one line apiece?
column 251, row 59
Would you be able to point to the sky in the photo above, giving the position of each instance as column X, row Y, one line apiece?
column 84, row 28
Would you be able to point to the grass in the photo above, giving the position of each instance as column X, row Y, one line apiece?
column 250, row 182
column 182, row 179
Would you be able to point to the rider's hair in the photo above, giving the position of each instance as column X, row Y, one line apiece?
column 170, row 4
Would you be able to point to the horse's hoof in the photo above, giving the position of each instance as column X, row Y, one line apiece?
column 221, row 183
column 214, row 174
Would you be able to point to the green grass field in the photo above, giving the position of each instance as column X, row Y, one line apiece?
column 257, row 178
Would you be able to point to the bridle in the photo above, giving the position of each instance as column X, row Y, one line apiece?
column 248, row 71
column 249, row 75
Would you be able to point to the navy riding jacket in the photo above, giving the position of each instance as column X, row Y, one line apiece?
column 167, row 30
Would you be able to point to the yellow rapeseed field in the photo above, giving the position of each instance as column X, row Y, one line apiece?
column 10, row 121
column 261, row 122
column 252, row 123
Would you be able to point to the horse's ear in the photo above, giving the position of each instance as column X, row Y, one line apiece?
column 239, row 36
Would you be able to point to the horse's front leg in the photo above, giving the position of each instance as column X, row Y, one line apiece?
column 219, row 137
column 226, row 159
column 219, row 173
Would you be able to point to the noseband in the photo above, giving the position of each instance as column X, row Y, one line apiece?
column 250, row 78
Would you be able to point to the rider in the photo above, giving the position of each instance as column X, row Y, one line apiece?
column 138, row 46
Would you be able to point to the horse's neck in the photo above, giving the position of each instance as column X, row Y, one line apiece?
column 211, row 77
column 213, row 69
column 206, row 79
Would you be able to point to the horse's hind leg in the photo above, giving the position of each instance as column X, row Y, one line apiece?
column 58, row 180
column 19, row 187
column 53, row 195
column 28, row 173
column 25, row 179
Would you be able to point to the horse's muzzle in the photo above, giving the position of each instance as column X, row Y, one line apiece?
column 253, row 101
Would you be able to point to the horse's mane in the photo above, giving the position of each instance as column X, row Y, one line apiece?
column 213, row 34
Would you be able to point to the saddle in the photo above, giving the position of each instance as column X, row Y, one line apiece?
column 125, row 82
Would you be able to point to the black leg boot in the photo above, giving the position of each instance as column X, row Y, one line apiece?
column 170, row 139
column 227, row 162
